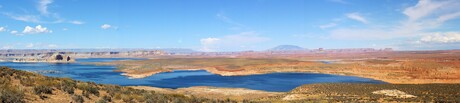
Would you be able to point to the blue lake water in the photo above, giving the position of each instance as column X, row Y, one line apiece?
column 104, row 74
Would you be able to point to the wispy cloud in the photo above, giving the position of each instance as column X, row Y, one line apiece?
column 45, row 15
column 424, row 16
column 232, row 42
column 340, row 1
column 25, row 18
column 43, row 6
column 77, row 22
column 2, row 29
column 106, row 26
column 235, row 25
column 330, row 25
column 357, row 16
column 14, row 32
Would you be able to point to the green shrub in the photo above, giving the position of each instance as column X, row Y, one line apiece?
column 43, row 89
column 101, row 101
column 78, row 99
column 88, row 88
column 107, row 98
column 68, row 85
column 93, row 90
column 127, row 98
column 26, row 81
column 11, row 95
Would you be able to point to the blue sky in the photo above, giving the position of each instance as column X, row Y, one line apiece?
column 230, row 25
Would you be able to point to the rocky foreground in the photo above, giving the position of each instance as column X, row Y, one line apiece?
column 373, row 93
column 332, row 92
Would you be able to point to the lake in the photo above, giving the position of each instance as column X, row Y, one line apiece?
column 279, row 82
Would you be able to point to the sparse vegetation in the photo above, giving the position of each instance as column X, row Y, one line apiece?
column 42, row 89
column 78, row 98
column 9, row 94
column 47, row 88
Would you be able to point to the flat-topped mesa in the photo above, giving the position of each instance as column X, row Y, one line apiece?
column 57, row 57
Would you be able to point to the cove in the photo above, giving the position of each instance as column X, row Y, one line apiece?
column 278, row 82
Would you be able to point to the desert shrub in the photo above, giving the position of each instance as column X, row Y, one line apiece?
column 6, row 72
column 26, row 81
column 111, row 89
column 138, row 98
column 67, row 85
column 86, row 94
column 69, row 90
column 93, row 90
column 78, row 99
column 104, row 99
column 88, row 88
column 4, row 81
column 11, row 95
column 107, row 98
column 101, row 101
column 43, row 97
column 117, row 96
column 127, row 98
column 43, row 89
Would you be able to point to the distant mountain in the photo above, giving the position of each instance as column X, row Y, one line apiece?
column 286, row 48
column 178, row 50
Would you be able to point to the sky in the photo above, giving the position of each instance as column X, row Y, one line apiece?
column 230, row 25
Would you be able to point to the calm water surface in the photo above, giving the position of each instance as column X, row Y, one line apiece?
column 178, row 79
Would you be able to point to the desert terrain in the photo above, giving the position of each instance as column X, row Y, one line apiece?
column 393, row 67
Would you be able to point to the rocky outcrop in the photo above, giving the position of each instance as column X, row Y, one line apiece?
column 55, row 58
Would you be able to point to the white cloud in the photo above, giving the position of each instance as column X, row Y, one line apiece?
column 422, row 9
column 30, row 45
column 37, row 29
column 360, row 34
column 340, row 1
column 43, row 6
column 330, row 25
column 38, row 45
column 449, row 37
column 45, row 15
column 7, row 47
column 232, row 42
column 423, row 18
column 52, row 46
column 2, row 29
column 106, row 26
column 14, row 32
column 356, row 16
column 77, row 22
column 209, row 41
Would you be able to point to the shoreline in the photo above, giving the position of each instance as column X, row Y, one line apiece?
column 390, row 71
column 221, row 73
